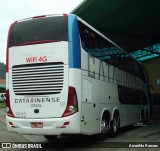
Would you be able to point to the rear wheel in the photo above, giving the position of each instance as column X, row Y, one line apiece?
column 104, row 128
column 114, row 126
column 50, row 137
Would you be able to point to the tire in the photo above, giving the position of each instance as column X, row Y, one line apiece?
column 114, row 126
column 104, row 128
column 50, row 137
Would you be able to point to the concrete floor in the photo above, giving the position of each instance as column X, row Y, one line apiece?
column 128, row 136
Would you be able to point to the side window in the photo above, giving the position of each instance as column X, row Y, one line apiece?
column 131, row 96
column 97, row 46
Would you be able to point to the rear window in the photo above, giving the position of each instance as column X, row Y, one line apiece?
column 40, row 29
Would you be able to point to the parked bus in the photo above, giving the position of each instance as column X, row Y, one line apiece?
column 65, row 77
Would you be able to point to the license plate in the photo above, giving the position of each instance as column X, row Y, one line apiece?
column 37, row 125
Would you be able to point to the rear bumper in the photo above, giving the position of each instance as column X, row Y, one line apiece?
column 51, row 126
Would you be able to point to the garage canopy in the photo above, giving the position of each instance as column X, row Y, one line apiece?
column 133, row 24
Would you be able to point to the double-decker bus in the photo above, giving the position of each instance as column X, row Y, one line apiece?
column 65, row 77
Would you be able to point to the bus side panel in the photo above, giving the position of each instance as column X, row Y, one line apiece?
column 90, row 106
column 108, row 97
column 90, row 100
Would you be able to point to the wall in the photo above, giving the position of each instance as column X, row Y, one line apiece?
column 153, row 68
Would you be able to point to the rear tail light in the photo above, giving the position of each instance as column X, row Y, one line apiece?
column 8, row 107
column 72, row 104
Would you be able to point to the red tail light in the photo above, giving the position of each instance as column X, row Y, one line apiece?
column 72, row 104
column 8, row 107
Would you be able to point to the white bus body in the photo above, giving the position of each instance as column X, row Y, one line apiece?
column 54, row 86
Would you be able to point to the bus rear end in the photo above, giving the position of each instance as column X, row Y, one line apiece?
column 40, row 98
